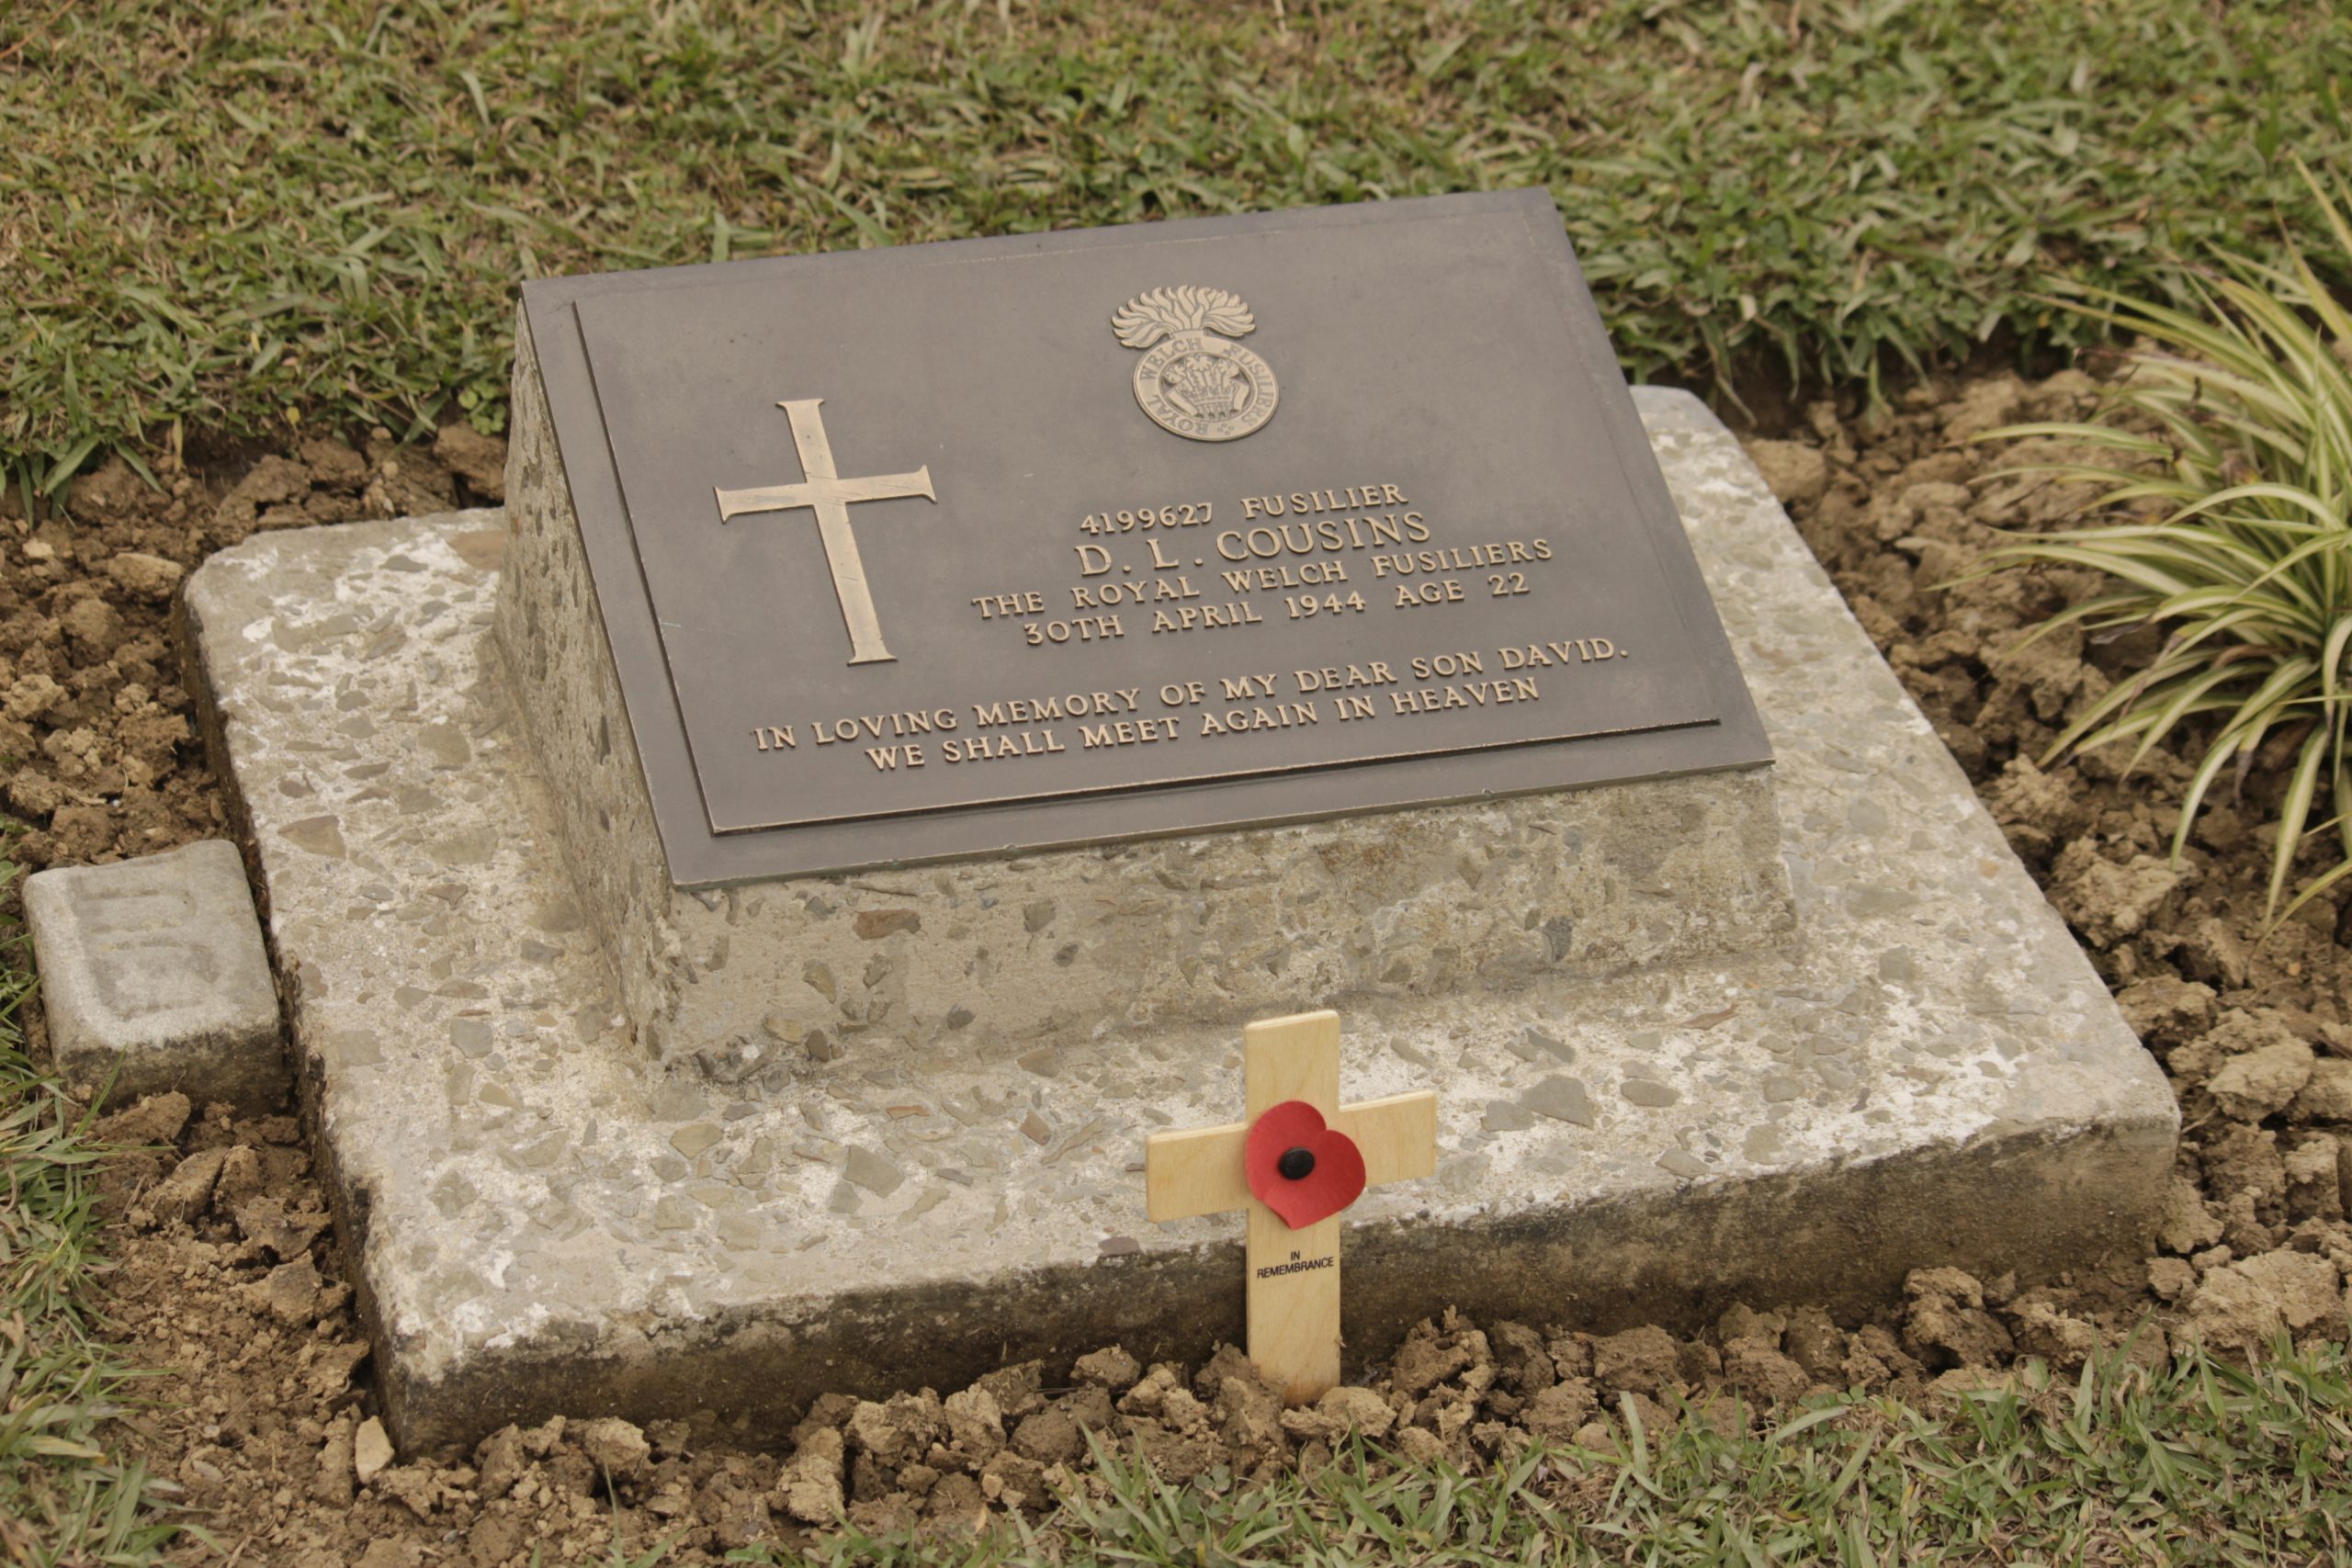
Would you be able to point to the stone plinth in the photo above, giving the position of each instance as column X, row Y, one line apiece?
column 999, row 955
column 545, row 1217
column 153, row 978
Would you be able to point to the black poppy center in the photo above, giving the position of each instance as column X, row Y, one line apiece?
column 1296, row 1165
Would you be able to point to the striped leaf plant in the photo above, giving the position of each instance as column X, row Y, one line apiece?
column 2241, row 453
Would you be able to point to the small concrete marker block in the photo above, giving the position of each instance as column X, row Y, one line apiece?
column 155, row 978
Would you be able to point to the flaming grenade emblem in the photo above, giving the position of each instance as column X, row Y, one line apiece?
column 1194, row 379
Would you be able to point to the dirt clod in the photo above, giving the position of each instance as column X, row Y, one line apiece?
column 153, row 1121
column 1946, row 1323
column 1339, row 1412
column 479, row 461
column 187, row 1192
column 1755, row 1365
column 2263, row 1082
column 2244, row 1306
column 1640, row 1360
column 1797, row 474
column 617, row 1447
column 1111, row 1369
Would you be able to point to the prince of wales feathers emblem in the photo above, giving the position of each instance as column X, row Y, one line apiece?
column 1194, row 380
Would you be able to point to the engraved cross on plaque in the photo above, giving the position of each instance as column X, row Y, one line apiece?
column 823, row 489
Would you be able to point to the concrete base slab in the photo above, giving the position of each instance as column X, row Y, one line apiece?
column 546, row 1218
column 154, row 979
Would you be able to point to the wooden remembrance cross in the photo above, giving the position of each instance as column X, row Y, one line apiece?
column 1301, row 1155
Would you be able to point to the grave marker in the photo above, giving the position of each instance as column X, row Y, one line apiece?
column 1097, row 591
column 649, row 1079
column 1122, row 595
column 1280, row 1165
column 154, row 978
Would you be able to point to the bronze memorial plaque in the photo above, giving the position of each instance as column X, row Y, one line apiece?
column 1049, row 539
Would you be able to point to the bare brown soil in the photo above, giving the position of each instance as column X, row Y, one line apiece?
column 95, row 728
column 228, row 1281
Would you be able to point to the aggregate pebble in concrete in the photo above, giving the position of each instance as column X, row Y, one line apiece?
column 153, row 978
column 545, row 1217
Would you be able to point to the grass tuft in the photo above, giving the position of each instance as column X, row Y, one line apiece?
column 65, row 1496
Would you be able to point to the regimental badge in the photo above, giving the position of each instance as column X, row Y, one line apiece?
column 1194, row 379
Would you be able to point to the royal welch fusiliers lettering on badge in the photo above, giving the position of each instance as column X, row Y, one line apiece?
column 1194, row 380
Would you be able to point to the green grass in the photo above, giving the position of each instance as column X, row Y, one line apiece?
column 219, row 217
column 64, row 1496
column 2195, row 1462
